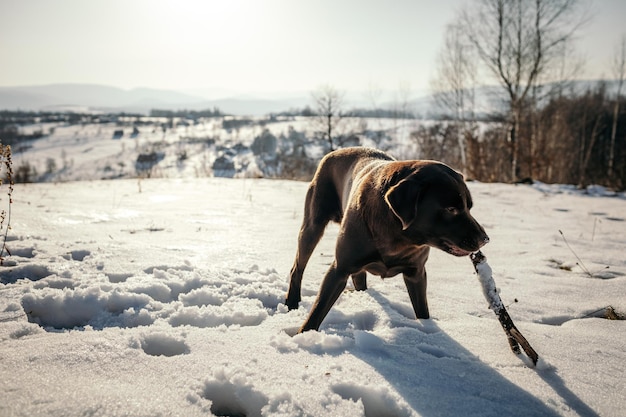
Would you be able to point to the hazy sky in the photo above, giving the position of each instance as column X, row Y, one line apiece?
column 246, row 45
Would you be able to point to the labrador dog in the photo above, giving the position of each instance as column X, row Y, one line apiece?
column 390, row 213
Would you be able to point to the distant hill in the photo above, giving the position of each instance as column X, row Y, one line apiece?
column 94, row 97
column 91, row 97
column 142, row 100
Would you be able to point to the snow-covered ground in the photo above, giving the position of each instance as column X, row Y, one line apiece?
column 165, row 297
column 93, row 151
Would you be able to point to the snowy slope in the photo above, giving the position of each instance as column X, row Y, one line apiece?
column 164, row 297
column 89, row 152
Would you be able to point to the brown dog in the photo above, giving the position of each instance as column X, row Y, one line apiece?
column 390, row 214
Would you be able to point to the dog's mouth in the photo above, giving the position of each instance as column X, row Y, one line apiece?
column 452, row 249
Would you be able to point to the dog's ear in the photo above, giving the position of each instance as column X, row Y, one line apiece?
column 402, row 200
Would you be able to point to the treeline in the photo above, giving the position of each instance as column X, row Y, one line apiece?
column 188, row 114
column 573, row 139
column 375, row 113
column 547, row 133
column 19, row 117
column 576, row 140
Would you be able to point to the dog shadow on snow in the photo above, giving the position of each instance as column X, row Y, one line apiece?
column 437, row 376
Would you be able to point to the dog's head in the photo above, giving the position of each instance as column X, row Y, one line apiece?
column 433, row 206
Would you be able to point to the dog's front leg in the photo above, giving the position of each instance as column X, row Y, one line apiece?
column 332, row 286
column 416, row 286
column 360, row 281
column 415, row 281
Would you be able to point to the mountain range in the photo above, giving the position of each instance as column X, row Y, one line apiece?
column 91, row 97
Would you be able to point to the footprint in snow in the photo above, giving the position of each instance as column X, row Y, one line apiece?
column 608, row 313
column 79, row 255
column 32, row 272
column 117, row 277
column 238, row 398
column 377, row 401
column 616, row 219
column 24, row 252
column 161, row 344
column 76, row 255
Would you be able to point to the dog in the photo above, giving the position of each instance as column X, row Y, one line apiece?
column 390, row 214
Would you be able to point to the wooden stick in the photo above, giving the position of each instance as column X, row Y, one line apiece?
column 514, row 336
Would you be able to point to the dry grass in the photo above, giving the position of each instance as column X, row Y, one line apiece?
column 5, row 215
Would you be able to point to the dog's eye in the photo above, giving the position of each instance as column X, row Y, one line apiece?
column 452, row 210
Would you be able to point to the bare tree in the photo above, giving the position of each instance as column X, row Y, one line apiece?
column 373, row 95
column 402, row 99
column 517, row 41
column 566, row 66
column 401, row 105
column 592, row 124
column 619, row 71
column 454, row 84
column 551, row 84
column 328, row 110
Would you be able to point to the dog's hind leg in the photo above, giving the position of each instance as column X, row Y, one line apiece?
column 318, row 212
column 332, row 286
column 321, row 206
column 310, row 235
column 360, row 281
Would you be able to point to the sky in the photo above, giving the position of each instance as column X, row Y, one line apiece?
column 247, row 46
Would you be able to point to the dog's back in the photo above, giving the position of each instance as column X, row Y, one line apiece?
column 330, row 188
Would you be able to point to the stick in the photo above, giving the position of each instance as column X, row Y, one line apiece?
column 495, row 303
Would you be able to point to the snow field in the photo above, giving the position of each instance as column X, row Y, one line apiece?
column 164, row 297
column 187, row 150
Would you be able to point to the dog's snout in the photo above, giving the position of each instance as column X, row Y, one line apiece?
column 480, row 238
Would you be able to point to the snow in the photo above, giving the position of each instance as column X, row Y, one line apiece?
column 149, row 147
column 165, row 297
